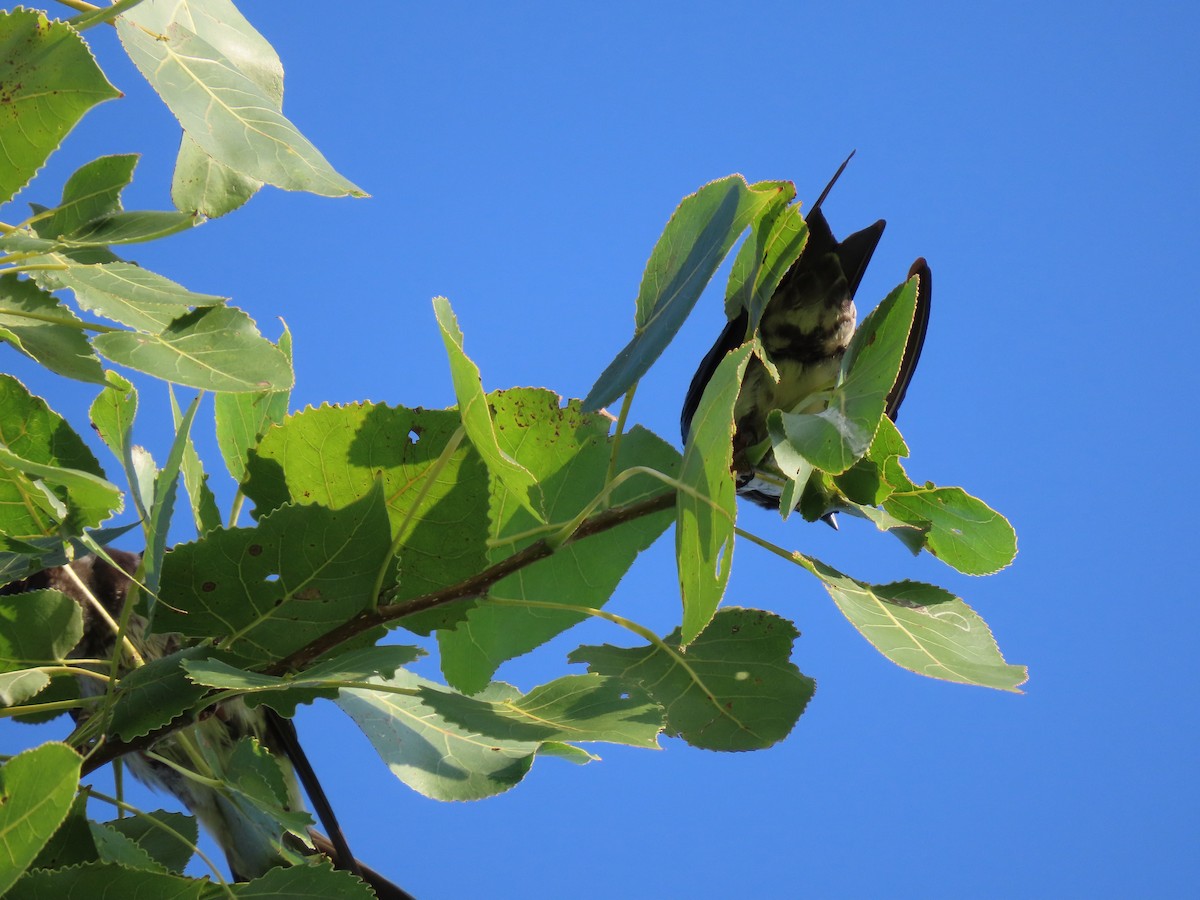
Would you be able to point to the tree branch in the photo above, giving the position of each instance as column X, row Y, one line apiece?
column 475, row 586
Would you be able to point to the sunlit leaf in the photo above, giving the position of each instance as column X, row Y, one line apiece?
column 574, row 708
column 26, row 312
column 430, row 754
column 36, row 790
column 128, row 294
column 227, row 114
column 921, row 627
column 436, row 502
column 705, row 514
column 477, row 418
column 243, row 418
column 48, row 80
column 94, row 190
column 214, row 349
column 568, row 451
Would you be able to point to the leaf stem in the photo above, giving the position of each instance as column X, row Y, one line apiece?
column 616, row 442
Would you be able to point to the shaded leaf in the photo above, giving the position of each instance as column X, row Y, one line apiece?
column 696, row 239
column 43, row 451
column 318, row 882
column 284, row 694
column 776, row 241
column 104, row 879
column 144, row 829
column 267, row 591
column 154, row 694
column 36, row 628
column 733, row 688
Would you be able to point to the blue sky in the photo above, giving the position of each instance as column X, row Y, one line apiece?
column 522, row 161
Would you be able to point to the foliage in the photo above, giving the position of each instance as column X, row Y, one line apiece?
column 494, row 525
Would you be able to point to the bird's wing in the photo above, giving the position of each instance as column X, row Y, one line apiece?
column 916, row 337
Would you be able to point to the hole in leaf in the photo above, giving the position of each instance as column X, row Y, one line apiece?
column 414, row 435
column 274, row 576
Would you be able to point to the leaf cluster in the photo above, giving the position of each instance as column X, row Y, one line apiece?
column 494, row 525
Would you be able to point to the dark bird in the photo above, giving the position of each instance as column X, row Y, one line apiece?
column 805, row 330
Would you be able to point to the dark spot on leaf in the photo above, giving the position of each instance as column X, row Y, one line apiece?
column 309, row 593
column 208, row 587
column 255, row 550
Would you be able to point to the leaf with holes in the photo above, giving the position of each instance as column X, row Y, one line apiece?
column 733, row 688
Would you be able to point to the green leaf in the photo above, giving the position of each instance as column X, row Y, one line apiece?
column 36, row 324
column 48, row 80
column 113, row 846
column 284, row 694
column 267, row 591
column 104, row 879
column 201, row 499
column 154, row 694
column 213, row 349
column 127, row 293
column 438, row 507
column 962, row 531
column 203, row 185
column 696, row 239
column 146, row 830
column 920, row 627
column 705, row 515
column 430, row 754
column 776, row 241
column 133, row 227
column 36, row 628
column 733, row 688
column 94, row 190
column 162, row 509
column 573, row 708
column 308, row 882
column 245, row 417
column 568, row 451
column 72, row 843
column 200, row 182
column 44, row 466
column 90, row 501
column 227, row 114
column 36, row 790
column 835, row 438
column 518, row 482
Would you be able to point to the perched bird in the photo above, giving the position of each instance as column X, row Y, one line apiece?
column 253, row 842
column 805, row 329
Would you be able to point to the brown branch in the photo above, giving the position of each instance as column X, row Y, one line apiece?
column 475, row 586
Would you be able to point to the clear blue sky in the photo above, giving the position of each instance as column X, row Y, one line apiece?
column 523, row 159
